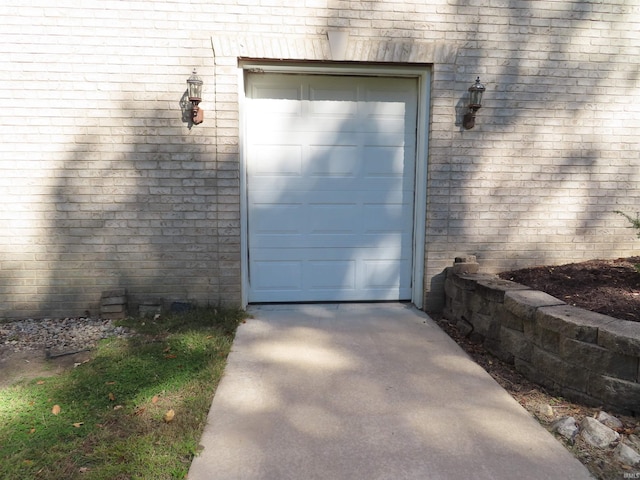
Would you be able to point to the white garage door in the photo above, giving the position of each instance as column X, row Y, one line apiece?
column 330, row 187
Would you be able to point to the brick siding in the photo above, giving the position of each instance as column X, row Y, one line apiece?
column 104, row 186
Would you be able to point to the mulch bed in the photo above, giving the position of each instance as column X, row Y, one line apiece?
column 610, row 287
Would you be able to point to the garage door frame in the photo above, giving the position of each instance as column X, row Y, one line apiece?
column 422, row 73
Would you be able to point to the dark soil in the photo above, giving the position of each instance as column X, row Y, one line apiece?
column 610, row 287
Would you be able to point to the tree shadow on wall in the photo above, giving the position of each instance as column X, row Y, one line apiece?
column 540, row 86
column 133, row 210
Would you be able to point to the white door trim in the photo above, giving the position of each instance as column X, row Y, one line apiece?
column 423, row 74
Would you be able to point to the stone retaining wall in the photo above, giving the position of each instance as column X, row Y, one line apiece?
column 581, row 355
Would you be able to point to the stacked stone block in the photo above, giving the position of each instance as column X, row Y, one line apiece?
column 113, row 304
column 579, row 354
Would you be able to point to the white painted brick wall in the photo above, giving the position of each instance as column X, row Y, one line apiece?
column 104, row 186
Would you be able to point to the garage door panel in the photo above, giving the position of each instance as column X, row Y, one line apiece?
column 385, row 110
column 383, row 274
column 389, row 197
column 319, row 190
column 284, row 89
column 283, row 160
column 329, row 281
column 359, row 188
column 305, row 197
column 298, row 129
column 310, row 253
column 287, row 108
column 333, row 160
column 394, row 127
column 336, row 109
column 384, row 161
column 275, row 275
column 281, row 219
column 385, row 195
column 340, row 90
column 337, row 218
column 385, row 219
column 330, row 188
column 331, row 274
column 340, row 213
column 389, row 240
column 384, row 139
column 388, row 93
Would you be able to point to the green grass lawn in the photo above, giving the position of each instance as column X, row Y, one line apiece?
column 106, row 419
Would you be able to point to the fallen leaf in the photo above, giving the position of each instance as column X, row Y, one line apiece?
column 33, row 430
column 170, row 356
column 118, row 407
column 155, row 399
column 40, row 382
column 78, row 424
column 56, row 409
column 110, row 383
column 112, row 397
column 168, row 417
column 139, row 411
column 83, row 469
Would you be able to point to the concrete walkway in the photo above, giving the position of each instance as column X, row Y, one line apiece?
column 366, row 391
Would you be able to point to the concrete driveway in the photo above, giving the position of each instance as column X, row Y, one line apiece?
column 366, row 391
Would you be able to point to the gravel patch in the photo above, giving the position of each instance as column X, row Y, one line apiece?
column 57, row 336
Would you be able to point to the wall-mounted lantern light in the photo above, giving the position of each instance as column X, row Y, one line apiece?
column 475, row 102
column 195, row 97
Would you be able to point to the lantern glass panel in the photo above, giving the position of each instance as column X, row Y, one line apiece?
column 476, row 97
column 475, row 93
column 195, row 91
column 195, row 87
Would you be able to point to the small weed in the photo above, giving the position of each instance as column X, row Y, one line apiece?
column 635, row 222
column 111, row 419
